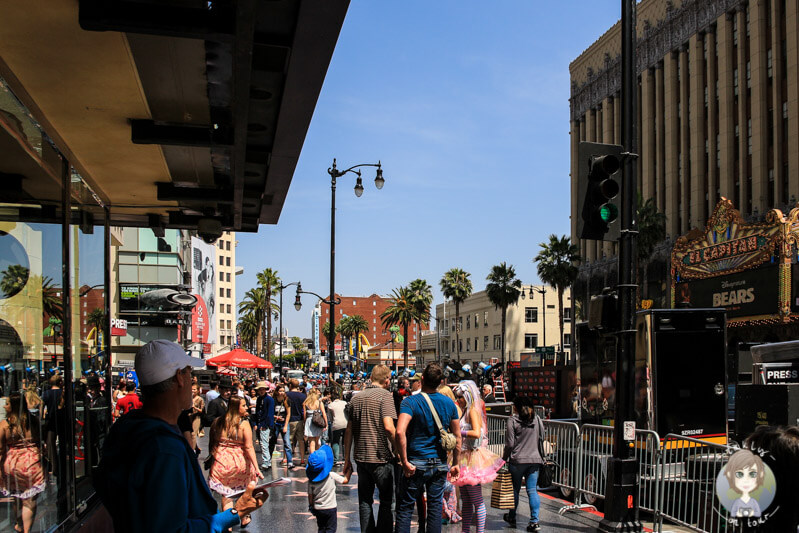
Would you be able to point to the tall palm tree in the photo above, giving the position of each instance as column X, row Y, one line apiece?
column 400, row 312
column 359, row 325
column 344, row 328
column 13, row 279
column 422, row 300
column 651, row 230
column 555, row 265
column 457, row 286
column 269, row 281
column 503, row 289
column 255, row 303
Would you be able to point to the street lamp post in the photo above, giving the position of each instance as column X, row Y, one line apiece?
column 335, row 174
column 332, row 302
column 280, row 363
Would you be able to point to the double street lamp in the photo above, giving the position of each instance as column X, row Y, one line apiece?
column 335, row 173
column 332, row 302
column 297, row 283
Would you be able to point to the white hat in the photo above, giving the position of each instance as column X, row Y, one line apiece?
column 158, row 361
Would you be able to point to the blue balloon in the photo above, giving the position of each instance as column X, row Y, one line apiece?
column 412, row 373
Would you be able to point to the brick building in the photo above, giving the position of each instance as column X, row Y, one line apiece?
column 369, row 307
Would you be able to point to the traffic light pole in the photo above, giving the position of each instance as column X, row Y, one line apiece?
column 621, row 499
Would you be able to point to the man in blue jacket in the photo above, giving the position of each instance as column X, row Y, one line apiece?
column 149, row 478
column 264, row 420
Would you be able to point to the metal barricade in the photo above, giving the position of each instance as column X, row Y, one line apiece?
column 496, row 432
column 564, row 440
column 688, row 471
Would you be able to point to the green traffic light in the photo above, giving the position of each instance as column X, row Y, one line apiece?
column 608, row 213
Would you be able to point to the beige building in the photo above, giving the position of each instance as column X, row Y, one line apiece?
column 718, row 108
column 226, row 287
column 529, row 324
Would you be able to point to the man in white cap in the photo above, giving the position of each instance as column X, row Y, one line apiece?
column 149, row 478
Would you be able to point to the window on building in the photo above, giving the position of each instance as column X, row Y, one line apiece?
column 228, row 308
column 221, row 324
column 374, row 303
column 374, row 311
column 227, row 291
column 769, row 63
column 469, row 345
column 227, row 261
column 460, row 345
column 749, row 135
column 567, row 314
column 227, row 277
column 460, row 323
column 468, row 322
column 485, row 343
column 530, row 314
column 567, row 340
column 476, row 343
column 221, row 276
column 485, row 318
column 748, row 75
column 228, row 324
column 735, row 82
column 221, row 261
column 497, row 342
column 221, row 292
column 476, row 319
column 453, row 345
column 354, row 303
column 530, row 341
column 227, row 245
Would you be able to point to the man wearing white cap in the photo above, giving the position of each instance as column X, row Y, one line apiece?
column 149, row 478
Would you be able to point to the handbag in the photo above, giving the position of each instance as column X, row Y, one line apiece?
column 502, row 490
column 317, row 419
column 448, row 440
column 546, row 474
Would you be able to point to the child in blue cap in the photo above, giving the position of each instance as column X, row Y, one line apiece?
column 322, row 488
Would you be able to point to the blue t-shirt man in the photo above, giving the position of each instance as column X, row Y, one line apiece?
column 424, row 439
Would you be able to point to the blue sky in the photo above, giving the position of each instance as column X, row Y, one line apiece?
column 467, row 106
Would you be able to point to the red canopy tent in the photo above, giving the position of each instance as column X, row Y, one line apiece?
column 239, row 359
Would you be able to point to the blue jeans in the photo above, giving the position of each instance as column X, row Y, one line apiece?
column 278, row 433
column 430, row 475
column 517, row 473
column 337, row 443
column 266, row 456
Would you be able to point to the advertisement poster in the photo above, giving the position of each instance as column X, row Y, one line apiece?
column 749, row 293
column 203, row 284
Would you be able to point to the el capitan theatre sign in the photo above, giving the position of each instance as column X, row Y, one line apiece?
column 744, row 268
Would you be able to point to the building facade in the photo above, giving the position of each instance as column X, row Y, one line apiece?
column 532, row 322
column 226, row 287
column 369, row 307
column 718, row 117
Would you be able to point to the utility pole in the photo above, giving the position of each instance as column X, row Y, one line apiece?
column 621, row 498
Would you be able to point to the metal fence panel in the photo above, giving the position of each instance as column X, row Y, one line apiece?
column 565, row 443
column 687, row 495
column 496, row 432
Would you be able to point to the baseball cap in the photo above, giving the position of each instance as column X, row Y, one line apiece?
column 158, row 361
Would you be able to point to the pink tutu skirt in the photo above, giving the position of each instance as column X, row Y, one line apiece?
column 477, row 467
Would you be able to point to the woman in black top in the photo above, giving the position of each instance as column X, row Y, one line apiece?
column 522, row 436
column 281, row 427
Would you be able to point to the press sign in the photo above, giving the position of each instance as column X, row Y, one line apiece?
column 780, row 373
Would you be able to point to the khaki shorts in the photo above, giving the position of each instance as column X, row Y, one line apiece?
column 297, row 433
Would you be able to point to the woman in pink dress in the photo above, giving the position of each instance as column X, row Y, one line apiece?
column 234, row 462
column 21, row 461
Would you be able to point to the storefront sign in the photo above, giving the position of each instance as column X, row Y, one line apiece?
column 119, row 327
column 750, row 293
column 725, row 250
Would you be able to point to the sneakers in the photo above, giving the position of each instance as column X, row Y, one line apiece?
column 534, row 528
column 511, row 521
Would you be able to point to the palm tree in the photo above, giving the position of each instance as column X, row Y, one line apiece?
column 457, row 286
column 255, row 304
column 422, row 300
column 269, row 281
column 401, row 312
column 555, row 265
column 249, row 330
column 358, row 325
column 651, row 230
column 503, row 289
column 344, row 329
column 95, row 318
column 13, row 279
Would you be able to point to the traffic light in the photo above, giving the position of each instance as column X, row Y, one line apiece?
column 599, row 190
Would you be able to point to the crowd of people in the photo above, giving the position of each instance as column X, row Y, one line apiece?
column 420, row 443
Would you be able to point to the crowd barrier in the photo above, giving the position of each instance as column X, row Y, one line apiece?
column 676, row 474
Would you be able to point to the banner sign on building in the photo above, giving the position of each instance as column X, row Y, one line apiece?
column 119, row 327
column 148, row 305
column 203, row 283
column 750, row 293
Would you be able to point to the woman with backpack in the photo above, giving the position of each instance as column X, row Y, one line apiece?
column 523, row 432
